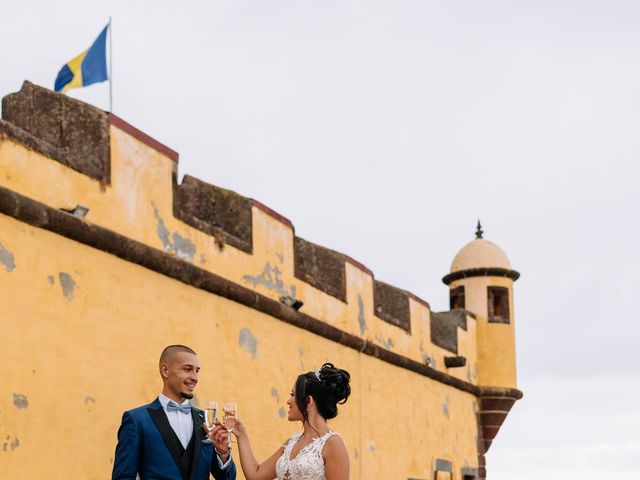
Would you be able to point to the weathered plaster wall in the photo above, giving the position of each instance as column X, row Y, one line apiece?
column 82, row 331
column 82, row 328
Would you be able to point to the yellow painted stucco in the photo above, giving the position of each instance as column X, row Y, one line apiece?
column 495, row 341
column 82, row 331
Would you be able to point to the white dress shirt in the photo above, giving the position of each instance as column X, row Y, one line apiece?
column 182, row 425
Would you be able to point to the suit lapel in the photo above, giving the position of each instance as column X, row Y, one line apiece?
column 198, row 436
column 164, row 427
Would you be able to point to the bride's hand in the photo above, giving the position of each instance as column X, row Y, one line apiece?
column 239, row 429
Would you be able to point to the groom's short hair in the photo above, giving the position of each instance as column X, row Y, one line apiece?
column 171, row 349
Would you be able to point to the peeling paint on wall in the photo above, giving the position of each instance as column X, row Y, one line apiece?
column 372, row 447
column 13, row 445
column 361, row 320
column 274, row 394
column 248, row 342
column 50, row 279
column 270, row 278
column 388, row 343
column 68, row 285
column 89, row 399
column 6, row 259
column 20, row 401
column 426, row 358
column 181, row 247
column 445, row 407
column 281, row 412
column 162, row 230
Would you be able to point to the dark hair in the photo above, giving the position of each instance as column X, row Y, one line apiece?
column 329, row 390
column 171, row 349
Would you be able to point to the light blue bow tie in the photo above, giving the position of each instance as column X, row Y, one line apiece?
column 173, row 406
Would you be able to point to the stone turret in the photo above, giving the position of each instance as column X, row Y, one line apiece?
column 481, row 281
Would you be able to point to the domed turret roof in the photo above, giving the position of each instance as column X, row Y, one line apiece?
column 480, row 258
column 480, row 253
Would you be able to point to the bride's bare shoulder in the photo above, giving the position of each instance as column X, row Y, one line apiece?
column 334, row 446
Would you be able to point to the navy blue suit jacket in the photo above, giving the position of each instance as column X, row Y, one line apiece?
column 147, row 446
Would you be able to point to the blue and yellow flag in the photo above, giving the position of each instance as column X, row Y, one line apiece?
column 87, row 68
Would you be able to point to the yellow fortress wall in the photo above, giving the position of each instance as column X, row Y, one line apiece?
column 88, row 302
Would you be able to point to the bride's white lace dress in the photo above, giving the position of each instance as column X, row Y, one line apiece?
column 308, row 464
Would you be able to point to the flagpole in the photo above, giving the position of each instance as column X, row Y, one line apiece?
column 110, row 67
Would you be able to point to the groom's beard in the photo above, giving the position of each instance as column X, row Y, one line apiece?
column 186, row 395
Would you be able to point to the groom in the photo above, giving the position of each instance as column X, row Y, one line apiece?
column 163, row 440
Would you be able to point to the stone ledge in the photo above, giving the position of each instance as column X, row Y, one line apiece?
column 481, row 272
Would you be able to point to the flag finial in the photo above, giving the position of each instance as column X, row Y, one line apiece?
column 479, row 231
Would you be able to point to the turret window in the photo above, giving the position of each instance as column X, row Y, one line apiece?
column 498, row 305
column 456, row 298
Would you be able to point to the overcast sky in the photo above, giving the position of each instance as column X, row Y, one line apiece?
column 384, row 129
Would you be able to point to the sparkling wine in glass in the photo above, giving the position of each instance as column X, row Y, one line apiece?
column 210, row 416
column 229, row 419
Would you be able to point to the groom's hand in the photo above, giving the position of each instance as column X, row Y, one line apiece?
column 219, row 436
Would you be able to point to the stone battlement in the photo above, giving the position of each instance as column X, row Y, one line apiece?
column 58, row 152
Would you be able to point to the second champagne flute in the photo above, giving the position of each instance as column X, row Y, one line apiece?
column 229, row 419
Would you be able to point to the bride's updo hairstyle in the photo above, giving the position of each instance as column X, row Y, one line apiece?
column 328, row 386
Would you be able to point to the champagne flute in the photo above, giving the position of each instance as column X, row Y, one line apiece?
column 229, row 419
column 210, row 416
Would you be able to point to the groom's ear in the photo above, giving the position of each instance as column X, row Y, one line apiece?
column 164, row 371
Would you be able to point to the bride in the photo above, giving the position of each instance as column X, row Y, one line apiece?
column 317, row 453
